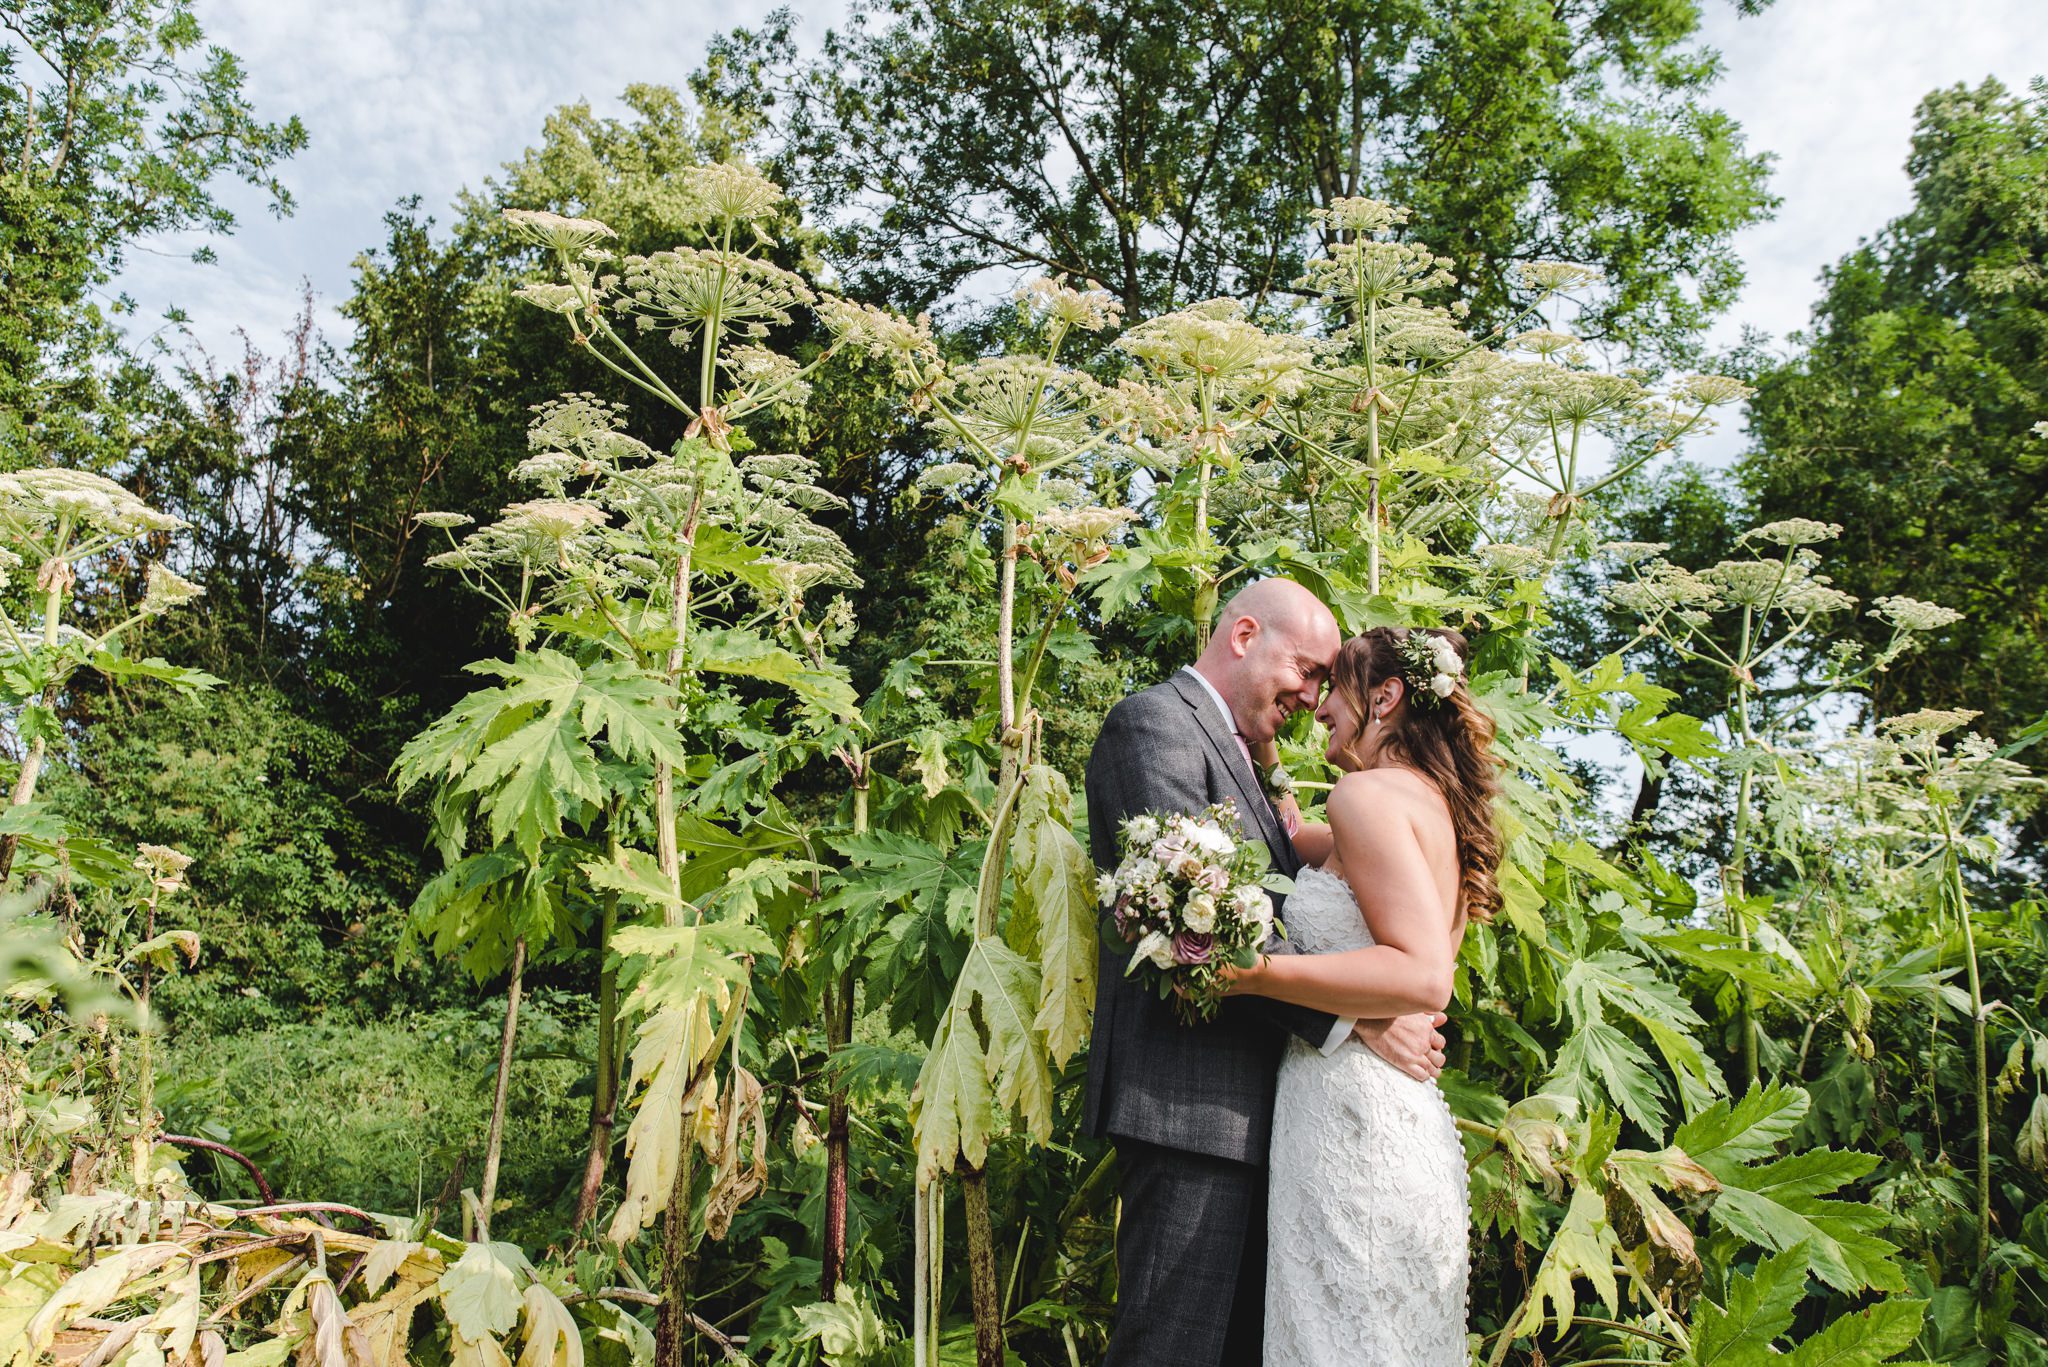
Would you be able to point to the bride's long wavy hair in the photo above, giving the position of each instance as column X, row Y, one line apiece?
column 1450, row 743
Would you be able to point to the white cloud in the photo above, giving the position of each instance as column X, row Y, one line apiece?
column 1831, row 89
column 402, row 97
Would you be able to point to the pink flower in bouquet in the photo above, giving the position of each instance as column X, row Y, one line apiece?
column 1214, row 880
column 1190, row 948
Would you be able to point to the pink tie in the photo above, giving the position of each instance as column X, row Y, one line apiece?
column 1290, row 821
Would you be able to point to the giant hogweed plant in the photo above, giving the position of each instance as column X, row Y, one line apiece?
column 106, row 1253
column 1872, row 824
column 79, row 1090
column 593, row 791
column 1747, row 617
column 1027, row 432
column 64, row 533
column 1876, row 834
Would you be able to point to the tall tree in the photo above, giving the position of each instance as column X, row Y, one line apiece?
column 116, row 125
column 1910, row 413
column 1174, row 151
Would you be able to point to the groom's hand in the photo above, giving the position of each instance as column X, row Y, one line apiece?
column 1411, row 1043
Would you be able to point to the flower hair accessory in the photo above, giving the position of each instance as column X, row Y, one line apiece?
column 1430, row 666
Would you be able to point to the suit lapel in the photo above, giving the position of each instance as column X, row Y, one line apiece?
column 1251, row 795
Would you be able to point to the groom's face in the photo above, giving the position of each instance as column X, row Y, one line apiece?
column 1282, row 671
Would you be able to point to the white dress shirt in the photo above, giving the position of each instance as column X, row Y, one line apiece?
column 1341, row 1031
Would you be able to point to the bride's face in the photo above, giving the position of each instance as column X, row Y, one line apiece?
column 1344, row 725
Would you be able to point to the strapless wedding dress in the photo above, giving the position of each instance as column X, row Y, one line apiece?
column 1366, row 1216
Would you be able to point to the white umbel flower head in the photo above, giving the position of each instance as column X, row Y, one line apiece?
column 553, row 298
column 1087, row 524
column 946, row 476
column 731, row 192
column 553, row 519
column 166, row 590
column 1794, row 531
column 569, row 236
column 89, row 500
column 1555, row 276
column 1091, row 310
column 1710, row 391
column 1929, row 721
column 1912, row 614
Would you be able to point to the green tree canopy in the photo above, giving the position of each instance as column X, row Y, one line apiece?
column 1174, row 152
column 116, row 125
column 1909, row 414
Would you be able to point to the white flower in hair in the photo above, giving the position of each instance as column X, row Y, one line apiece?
column 1432, row 666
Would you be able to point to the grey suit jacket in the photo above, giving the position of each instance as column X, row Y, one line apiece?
column 1203, row 1088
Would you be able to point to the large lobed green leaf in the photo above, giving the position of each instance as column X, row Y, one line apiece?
column 1785, row 1203
column 985, row 1059
column 1055, row 910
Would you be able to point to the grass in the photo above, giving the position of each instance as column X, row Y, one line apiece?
column 379, row 1114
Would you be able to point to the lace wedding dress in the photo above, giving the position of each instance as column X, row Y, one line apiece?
column 1366, row 1222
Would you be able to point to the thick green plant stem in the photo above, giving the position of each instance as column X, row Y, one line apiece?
column 495, row 1145
column 928, row 1208
column 838, row 1136
column 667, row 854
column 1958, row 898
column 1734, row 879
column 604, row 1097
column 673, row 1322
column 981, row 1269
column 1206, row 590
column 32, row 763
column 1372, row 445
column 146, row 1124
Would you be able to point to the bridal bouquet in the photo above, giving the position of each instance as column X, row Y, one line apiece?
column 1190, row 897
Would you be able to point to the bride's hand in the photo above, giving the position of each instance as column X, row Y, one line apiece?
column 1239, row 982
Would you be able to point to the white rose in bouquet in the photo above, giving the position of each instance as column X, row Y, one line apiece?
column 1156, row 949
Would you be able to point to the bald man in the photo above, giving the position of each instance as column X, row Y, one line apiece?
column 1189, row 1107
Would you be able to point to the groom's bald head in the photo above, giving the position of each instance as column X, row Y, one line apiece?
column 1270, row 654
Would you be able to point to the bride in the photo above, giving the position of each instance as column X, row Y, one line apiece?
column 1366, row 1225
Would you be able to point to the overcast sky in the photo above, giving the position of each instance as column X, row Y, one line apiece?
column 408, row 97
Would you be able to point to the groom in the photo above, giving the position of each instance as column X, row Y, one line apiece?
column 1189, row 1107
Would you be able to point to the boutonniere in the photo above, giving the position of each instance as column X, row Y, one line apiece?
column 1278, row 782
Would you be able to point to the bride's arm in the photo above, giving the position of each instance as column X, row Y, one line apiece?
column 1410, row 966
column 1313, row 842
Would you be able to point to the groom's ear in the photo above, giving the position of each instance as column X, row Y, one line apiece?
column 1243, row 632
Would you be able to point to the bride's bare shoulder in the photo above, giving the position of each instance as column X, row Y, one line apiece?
column 1391, row 787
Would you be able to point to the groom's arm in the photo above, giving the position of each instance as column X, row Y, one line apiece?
column 1141, row 763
